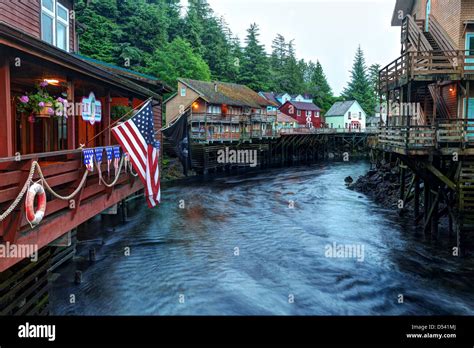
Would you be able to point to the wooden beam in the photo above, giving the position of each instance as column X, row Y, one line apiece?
column 441, row 176
column 71, row 121
column 6, row 117
column 107, row 119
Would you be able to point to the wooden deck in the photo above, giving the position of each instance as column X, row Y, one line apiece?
column 446, row 137
column 63, row 171
column 427, row 66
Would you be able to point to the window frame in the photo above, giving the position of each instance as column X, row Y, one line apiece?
column 53, row 15
column 63, row 22
column 183, row 89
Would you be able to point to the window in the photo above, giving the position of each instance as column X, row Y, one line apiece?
column 55, row 24
column 183, row 91
column 349, row 117
column 360, row 115
column 214, row 109
column 308, row 113
column 317, row 113
column 298, row 112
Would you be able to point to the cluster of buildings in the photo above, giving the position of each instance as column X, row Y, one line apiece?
column 222, row 111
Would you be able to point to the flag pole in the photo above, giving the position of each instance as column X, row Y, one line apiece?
column 116, row 121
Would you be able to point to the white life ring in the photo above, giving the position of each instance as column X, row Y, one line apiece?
column 34, row 218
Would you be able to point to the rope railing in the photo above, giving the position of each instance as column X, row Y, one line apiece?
column 35, row 166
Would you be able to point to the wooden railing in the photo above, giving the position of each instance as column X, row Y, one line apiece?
column 413, row 137
column 412, row 35
column 419, row 64
column 441, row 37
column 63, row 171
column 215, row 118
column 451, row 131
column 230, row 118
column 454, row 133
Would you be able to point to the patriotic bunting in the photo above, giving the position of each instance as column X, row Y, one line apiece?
column 110, row 156
column 89, row 159
column 98, row 158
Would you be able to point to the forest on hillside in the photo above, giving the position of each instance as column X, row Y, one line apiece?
column 157, row 37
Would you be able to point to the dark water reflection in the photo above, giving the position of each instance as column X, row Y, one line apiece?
column 191, row 252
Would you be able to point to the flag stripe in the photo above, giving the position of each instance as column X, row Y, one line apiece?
column 137, row 137
column 136, row 164
column 141, row 155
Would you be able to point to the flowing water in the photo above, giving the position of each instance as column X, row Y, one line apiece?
column 239, row 248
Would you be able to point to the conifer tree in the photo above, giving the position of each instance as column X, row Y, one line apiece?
column 359, row 87
column 254, row 70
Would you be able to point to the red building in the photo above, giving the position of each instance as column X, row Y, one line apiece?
column 38, row 48
column 306, row 114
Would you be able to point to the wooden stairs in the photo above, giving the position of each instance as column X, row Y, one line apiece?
column 466, row 203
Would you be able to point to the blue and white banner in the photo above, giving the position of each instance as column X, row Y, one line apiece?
column 89, row 159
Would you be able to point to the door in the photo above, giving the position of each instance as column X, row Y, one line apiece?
column 428, row 12
column 469, row 115
column 470, row 51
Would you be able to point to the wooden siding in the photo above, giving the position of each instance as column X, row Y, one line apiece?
column 451, row 99
column 174, row 104
column 285, row 108
column 467, row 14
column 25, row 15
column 446, row 12
column 158, row 118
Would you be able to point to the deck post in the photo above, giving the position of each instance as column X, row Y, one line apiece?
column 402, row 181
column 107, row 118
column 417, row 197
column 71, row 121
column 6, row 117
column 427, row 202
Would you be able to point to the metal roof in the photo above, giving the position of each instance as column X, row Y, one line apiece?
column 340, row 108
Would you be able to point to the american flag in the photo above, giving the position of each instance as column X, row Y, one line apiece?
column 137, row 138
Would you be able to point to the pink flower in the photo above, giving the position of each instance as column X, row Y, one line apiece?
column 41, row 104
column 43, row 84
column 24, row 99
column 59, row 99
column 50, row 111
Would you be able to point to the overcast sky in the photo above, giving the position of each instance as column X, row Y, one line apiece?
column 324, row 30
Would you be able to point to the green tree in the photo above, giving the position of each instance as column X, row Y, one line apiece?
column 177, row 59
column 319, row 87
column 255, row 65
column 277, row 63
column 359, row 87
column 374, row 79
column 99, row 39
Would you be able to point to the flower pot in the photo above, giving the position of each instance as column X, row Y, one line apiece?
column 44, row 113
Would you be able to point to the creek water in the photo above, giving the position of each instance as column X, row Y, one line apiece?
column 266, row 243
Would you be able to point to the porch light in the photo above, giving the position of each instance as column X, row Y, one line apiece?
column 53, row 82
column 195, row 105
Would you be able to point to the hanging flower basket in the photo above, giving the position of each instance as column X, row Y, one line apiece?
column 46, row 112
column 41, row 104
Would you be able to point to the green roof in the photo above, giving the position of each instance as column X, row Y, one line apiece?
column 115, row 67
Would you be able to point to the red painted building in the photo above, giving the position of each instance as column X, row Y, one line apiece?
column 306, row 114
column 38, row 46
